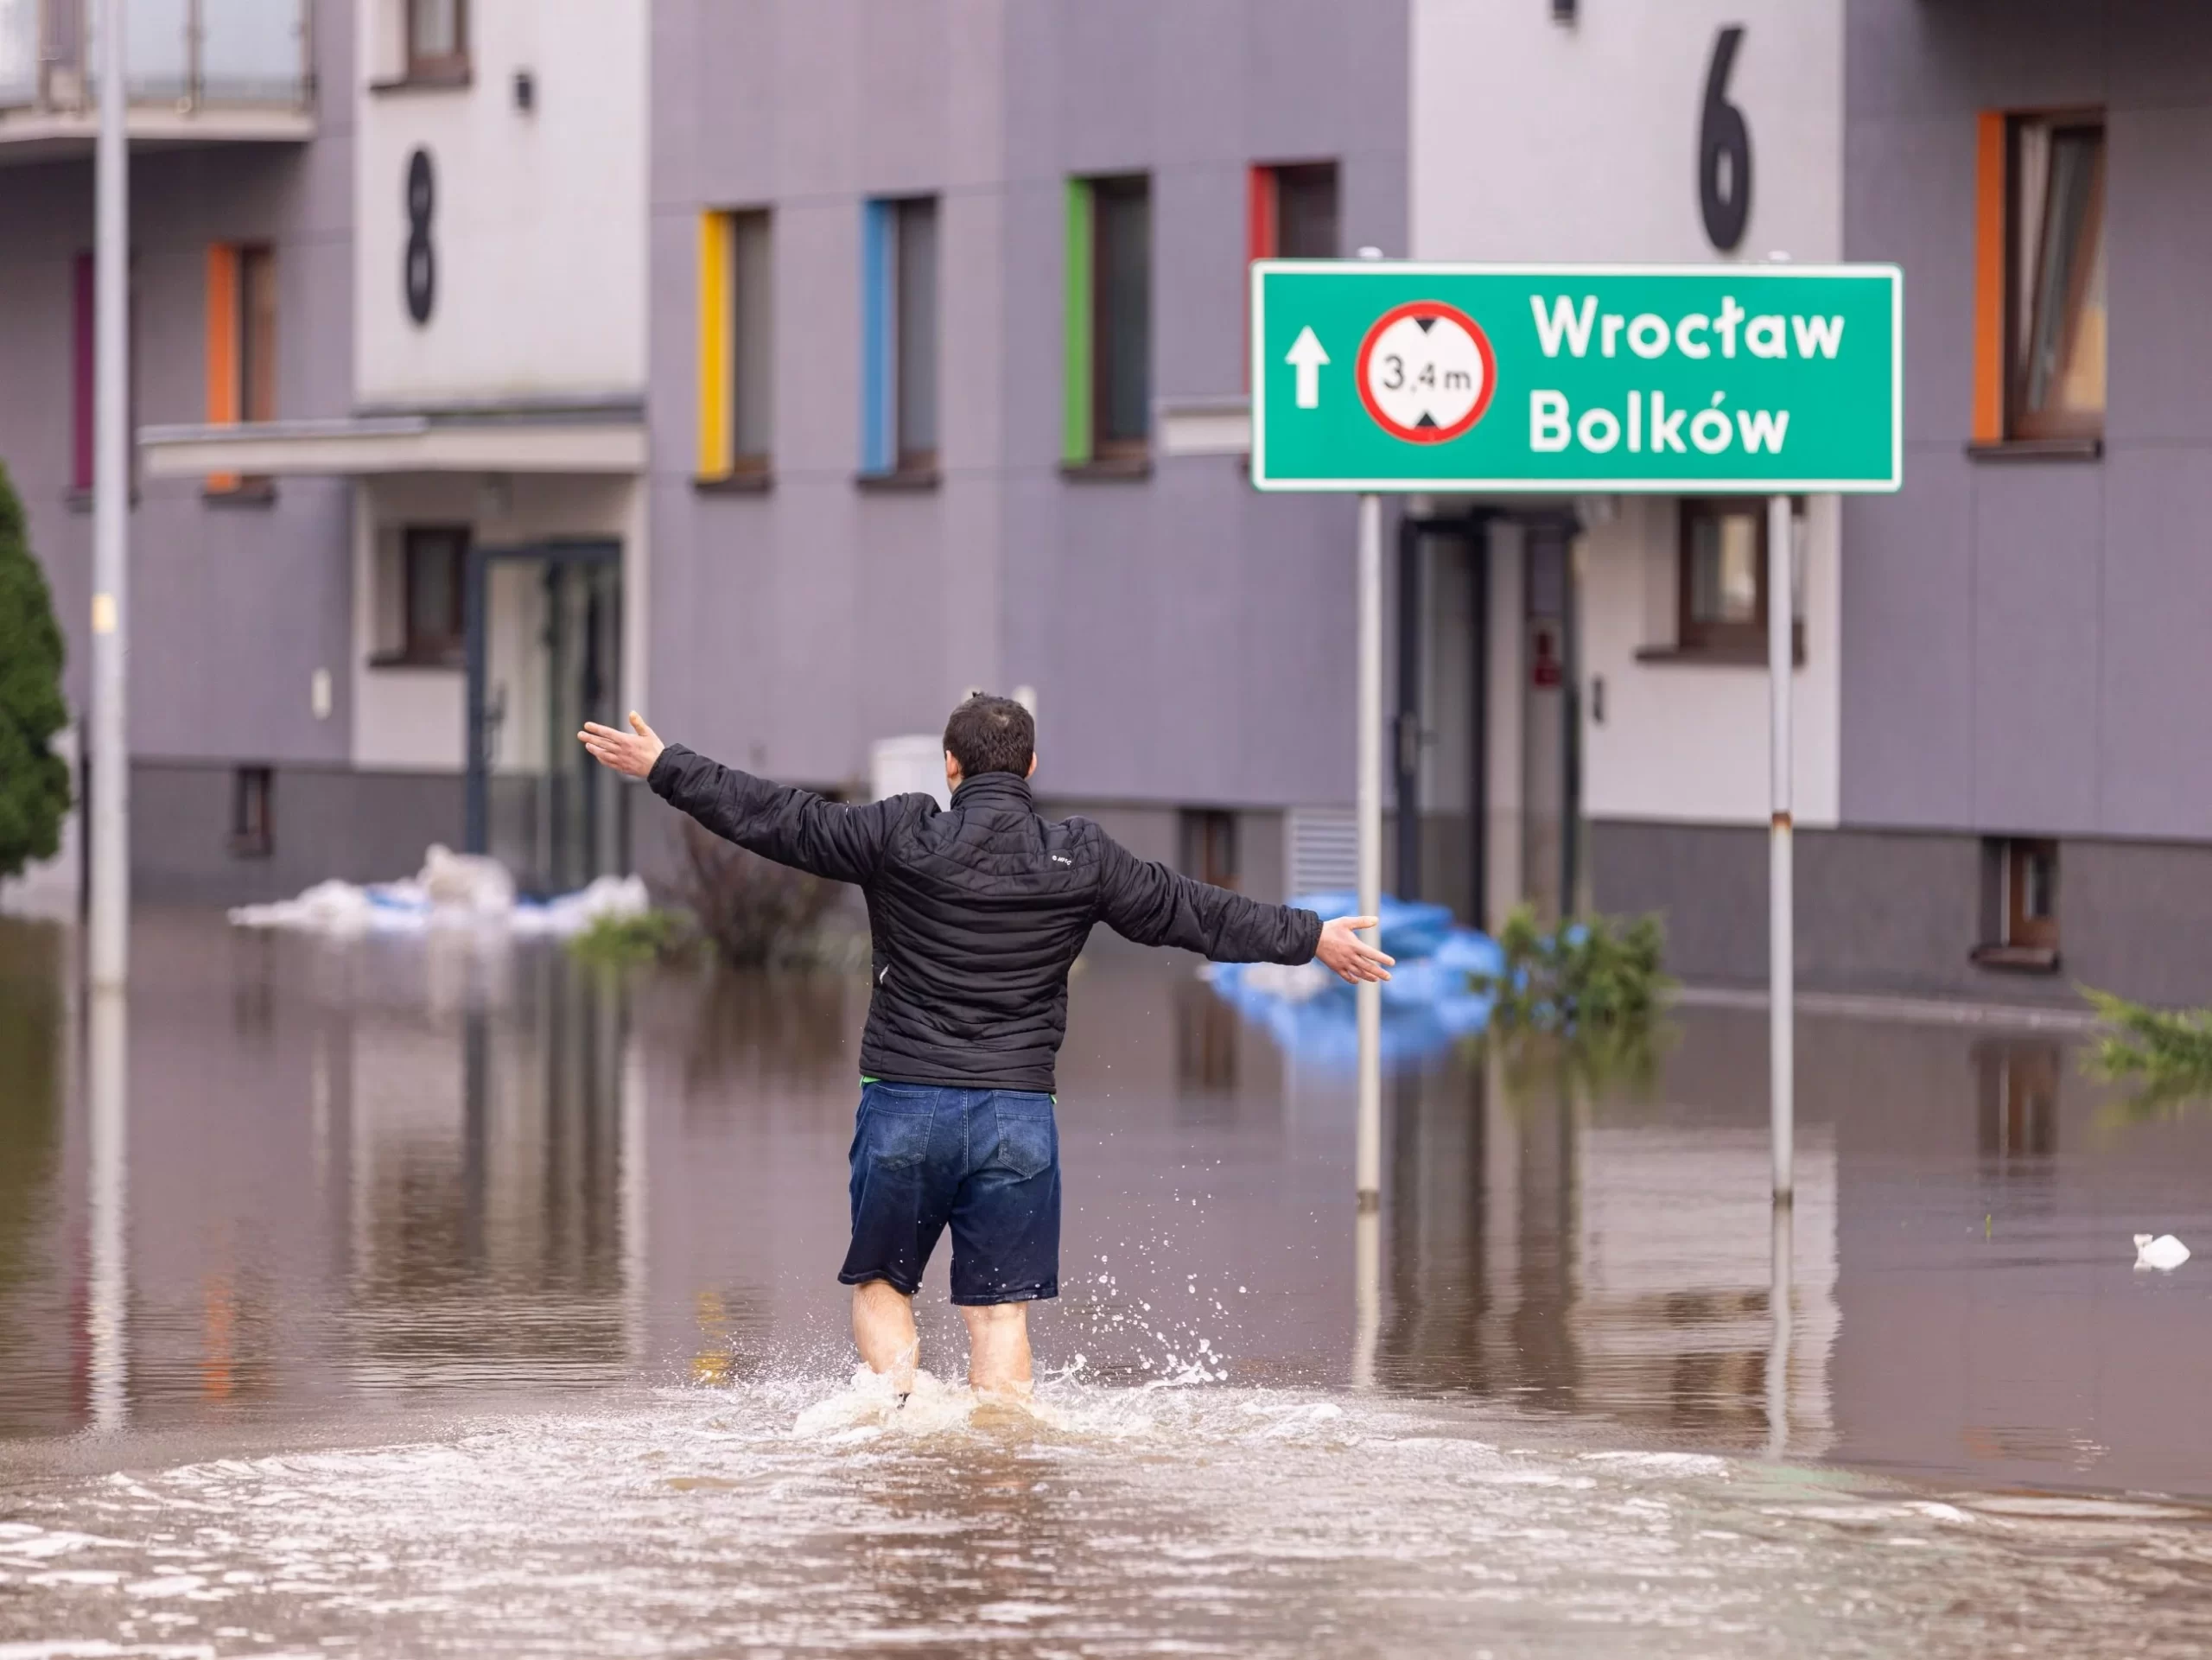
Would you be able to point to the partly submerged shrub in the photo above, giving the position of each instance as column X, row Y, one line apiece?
column 2167, row 1053
column 1579, row 977
column 754, row 910
column 1581, row 1001
column 649, row 936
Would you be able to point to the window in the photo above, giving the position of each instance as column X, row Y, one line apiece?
column 252, row 833
column 1722, row 603
column 1210, row 846
column 2057, row 380
column 437, row 40
column 434, row 576
column 1290, row 213
column 2031, row 895
column 1108, row 420
column 2019, row 905
column 900, row 331
column 1293, row 211
column 241, row 351
column 2040, row 296
column 736, row 344
column 84, row 377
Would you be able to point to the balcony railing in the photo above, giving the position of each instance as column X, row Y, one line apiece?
column 178, row 55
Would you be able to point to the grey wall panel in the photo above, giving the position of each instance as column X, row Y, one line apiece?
column 2072, row 653
column 2154, row 744
column 328, row 822
column 1908, row 692
column 1907, row 57
column 1890, row 912
column 2136, row 918
column 235, row 607
column 1899, row 914
column 1908, row 199
column 902, row 74
column 1103, row 64
column 2158, row 227
column 1707, row 885
column 2160, row 54
column 2037, row 537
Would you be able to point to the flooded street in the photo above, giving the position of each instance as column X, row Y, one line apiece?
column 407, row 1296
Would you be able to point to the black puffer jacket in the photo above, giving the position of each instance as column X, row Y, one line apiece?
column 978, row 911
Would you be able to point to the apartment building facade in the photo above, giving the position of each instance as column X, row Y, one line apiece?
column 787, row 370
column 1591, row 670
column 2025, row 794
column 1998, row 789
column 388, row 382
column 921, row 274
column 783, row 369
column 240, row 299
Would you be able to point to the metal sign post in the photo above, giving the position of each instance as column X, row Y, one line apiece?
column 1781, row 665
column 1368, row 1160
column 1565, row 380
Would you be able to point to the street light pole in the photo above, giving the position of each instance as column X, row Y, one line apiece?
column 110, row 783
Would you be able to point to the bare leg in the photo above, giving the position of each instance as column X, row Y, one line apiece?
column 998, row 1348
column 883, row 1329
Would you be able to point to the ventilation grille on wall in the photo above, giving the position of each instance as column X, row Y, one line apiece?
column 1322, row 848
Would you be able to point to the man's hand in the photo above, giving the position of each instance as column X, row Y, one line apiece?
column 630, row 753
column 1353, row 958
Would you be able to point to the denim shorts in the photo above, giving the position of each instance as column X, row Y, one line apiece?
column 988, row 1161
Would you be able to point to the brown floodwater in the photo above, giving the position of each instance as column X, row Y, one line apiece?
column 427, row 1295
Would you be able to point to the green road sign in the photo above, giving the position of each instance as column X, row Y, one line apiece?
column 1757, row 380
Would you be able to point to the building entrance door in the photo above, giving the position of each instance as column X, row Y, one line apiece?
column 544, row 632
column 1440, row 749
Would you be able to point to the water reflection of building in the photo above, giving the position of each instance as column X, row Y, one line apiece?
column 326, row 1180
column 487, row 1167
column 1589, row 1251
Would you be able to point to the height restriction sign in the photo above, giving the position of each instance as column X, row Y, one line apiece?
column 1705, row 378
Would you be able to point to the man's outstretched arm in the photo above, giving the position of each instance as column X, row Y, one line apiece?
column 1147, row 902
column 791, row 826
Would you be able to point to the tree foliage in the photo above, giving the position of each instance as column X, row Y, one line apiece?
column 33, row 781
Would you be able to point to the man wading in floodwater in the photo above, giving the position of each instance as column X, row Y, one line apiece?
column 977, row 913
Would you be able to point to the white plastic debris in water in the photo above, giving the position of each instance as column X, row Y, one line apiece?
column 2165, row 1252
column 473, row 884
column 452, row 890
column 571, row 914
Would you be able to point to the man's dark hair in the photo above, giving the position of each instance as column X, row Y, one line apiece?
column 991, row 735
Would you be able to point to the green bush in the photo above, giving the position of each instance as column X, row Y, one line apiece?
column 650, row 935
column 1589, row 977
column 2167, row 1053
column 33, row 781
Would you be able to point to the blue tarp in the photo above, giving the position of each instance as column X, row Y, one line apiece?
column 1428, row 1004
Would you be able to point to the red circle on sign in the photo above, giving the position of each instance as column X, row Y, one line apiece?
column 1414, row 310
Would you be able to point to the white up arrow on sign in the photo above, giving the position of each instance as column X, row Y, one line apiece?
column 1307, row 356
